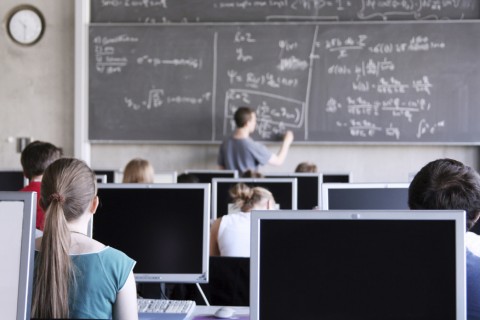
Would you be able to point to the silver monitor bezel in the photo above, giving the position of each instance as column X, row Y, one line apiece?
column 216, row 181
column 25, row 281
column 201, row 277
column 456, row 215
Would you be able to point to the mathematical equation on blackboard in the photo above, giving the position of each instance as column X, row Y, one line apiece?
column 164, row 11
column 343, row 83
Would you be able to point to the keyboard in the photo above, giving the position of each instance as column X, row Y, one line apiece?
column 164, row 309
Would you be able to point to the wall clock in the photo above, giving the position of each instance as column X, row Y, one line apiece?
column 26, row 25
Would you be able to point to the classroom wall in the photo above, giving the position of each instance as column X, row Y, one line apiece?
column 37, row 83
column 37, row 97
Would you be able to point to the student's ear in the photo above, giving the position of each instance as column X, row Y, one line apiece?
column 94, row 204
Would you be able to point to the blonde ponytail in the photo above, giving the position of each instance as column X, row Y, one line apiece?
column 247, row 198
column 68, row 187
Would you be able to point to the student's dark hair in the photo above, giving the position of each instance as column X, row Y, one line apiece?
column 187, row 178
column 306, row 167
column 68, row 188
column 251, row 174
column 246, row 198
column 446, row 184
column 242, row 116
column 37, row 156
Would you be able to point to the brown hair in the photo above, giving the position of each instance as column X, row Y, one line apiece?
column 246, row 198
column 306, row 167
column 138, row 171
column 242, row 116
column 68, row 188
column 37, row 156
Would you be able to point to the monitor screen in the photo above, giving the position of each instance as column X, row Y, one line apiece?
column 335, row 177
column 364, row 196
column 17, row 218
column 164, row 227
column 309, row 187
column 206, row 176
column 358, row 265
column 284, row 192
column 109, row 173
column 12, row 180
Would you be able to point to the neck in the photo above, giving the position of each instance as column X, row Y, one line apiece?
column 241, row 133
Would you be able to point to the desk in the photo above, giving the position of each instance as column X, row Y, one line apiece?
column 210, row 310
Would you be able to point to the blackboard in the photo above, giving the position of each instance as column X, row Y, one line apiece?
column 376, row 82
column 161, row 11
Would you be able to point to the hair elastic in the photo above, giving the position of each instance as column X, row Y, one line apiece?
column 57, row 197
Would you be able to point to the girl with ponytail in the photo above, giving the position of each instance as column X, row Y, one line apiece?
column 76, row 276
column 230, row 234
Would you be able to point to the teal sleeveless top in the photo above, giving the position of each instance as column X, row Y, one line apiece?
column 99, row 277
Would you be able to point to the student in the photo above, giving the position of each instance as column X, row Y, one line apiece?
column 138, row 171
column 76, row 276
column 449, row 184
column 306, row 167
column 230, row 234
column 252, row 174
column 35, row 158
column 240, row 152
column 187, row 178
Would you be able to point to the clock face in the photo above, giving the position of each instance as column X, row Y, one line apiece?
column 25, row 26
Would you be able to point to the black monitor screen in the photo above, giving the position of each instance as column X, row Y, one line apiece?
column 109, row 173
column 335, row 178
column 368, row 198
column 208, row 176
column 283, row 190
column 344, row 269
column 11, row 180
column 162, row 228
column 308, row 189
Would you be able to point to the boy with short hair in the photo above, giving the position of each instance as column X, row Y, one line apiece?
column 35, row 158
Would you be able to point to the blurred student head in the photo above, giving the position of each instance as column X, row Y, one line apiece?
column 306, row 167
column 138, row 171
column 446, row 184
column 37, row 156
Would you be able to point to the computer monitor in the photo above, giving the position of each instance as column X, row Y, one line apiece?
column 12, row 180
column 165, row 177
column 364, row 196
column 111, row 174
column 284, row 191
column 17, row 218
column 387, row 265
column 206, row 176
column 336, row 177
column 101, row 178
column 309, row 188
column 164, row 227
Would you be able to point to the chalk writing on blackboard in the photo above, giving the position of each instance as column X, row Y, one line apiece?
column 355, row 82
column 165, row 11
